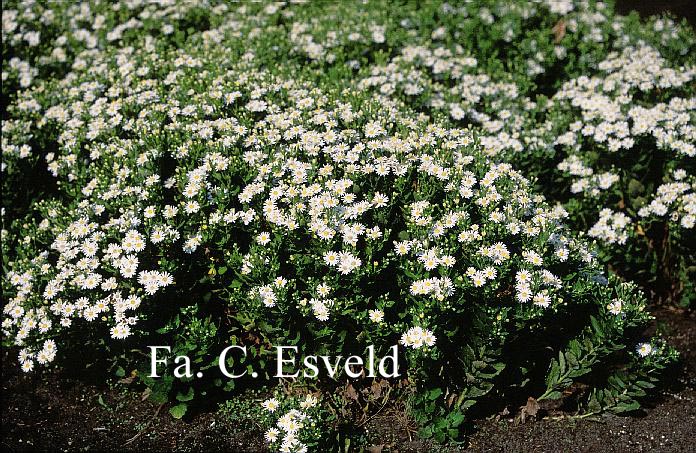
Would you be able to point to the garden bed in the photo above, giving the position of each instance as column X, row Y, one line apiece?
column 470, row 225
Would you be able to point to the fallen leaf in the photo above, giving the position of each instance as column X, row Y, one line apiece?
column 530, row 409
column 351, row 393
column 559, row 31
column 451, row 399
column 376, row 389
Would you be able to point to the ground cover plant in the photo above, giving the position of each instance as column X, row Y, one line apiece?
column 476, row 185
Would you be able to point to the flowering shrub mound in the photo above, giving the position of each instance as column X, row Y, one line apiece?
column 618, row 132
column 207, row 196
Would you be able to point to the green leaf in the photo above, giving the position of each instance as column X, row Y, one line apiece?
column 554, row 395
column 434, row 394
column 571, row 359
column 178, row 411
column 456, row 419
column 645, row 384
column 410, row 274
column 554, row 374
column 635, row 187
column 627, row 407
column 187, row 397
column 474, row 391
column 467, row 404
column 595, row 324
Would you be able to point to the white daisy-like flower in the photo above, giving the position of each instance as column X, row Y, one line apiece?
column 376, row 316
column 644, row 349
column 270, row 405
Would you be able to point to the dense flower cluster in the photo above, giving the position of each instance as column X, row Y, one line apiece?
column 296, row 427
column 675, row 200
column 275, row 164
column 632, row 99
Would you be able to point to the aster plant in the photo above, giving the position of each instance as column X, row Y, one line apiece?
column 254, row 175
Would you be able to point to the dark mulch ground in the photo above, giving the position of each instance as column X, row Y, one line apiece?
column 57, row 413
column 679, row 8
column 54, row 414
column 668, row 425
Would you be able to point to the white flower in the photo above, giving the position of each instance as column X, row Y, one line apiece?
column 615, row 306
column 270, row 404
column 376, row 316
column 417, row 337
column 272, row 435
column 263, row 238
column 644, row 349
